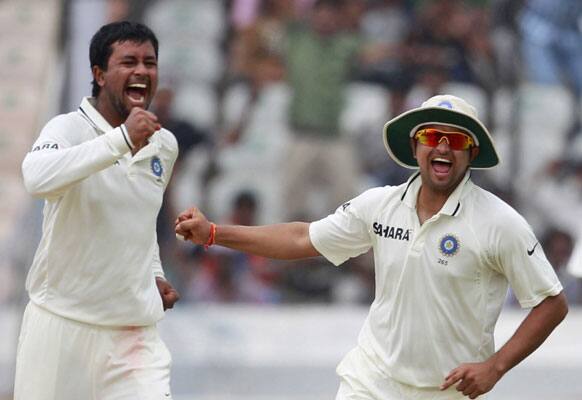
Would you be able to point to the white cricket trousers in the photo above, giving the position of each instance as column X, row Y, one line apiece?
column 361, row 380
column 62, row 359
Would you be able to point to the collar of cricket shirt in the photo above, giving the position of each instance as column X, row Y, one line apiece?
column 453, row 204
column 88, row 110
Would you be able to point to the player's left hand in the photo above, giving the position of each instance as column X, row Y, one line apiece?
column 169, row 295
column 475, row 378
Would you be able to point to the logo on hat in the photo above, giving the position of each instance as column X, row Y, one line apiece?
column 446, row 104
column 450, row 245
column 156, row 165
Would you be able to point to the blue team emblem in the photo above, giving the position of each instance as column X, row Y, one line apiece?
column 449, row 245
column 157, row 168
column 446, row 104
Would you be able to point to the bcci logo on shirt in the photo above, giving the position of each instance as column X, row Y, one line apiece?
column 157, row 167
column 449, row 245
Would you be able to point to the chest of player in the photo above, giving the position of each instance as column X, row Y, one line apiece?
column 443, row 250
column 132, row 184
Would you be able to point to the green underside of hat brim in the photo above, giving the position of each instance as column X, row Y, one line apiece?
column 397, row 135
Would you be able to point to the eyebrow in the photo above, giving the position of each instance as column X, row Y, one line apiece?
column 133, row 57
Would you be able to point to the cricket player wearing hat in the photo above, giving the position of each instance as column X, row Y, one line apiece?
column 445, row 253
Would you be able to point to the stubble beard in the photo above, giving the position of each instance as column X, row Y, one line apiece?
column 119, row 107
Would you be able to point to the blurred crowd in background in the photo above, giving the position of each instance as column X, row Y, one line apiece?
column 278, row 108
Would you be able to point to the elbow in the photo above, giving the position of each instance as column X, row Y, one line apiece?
column 30, row 183
column 560, row 307
column 34, row 183
column 555, row 308
column 32, row 186
column 43, row 183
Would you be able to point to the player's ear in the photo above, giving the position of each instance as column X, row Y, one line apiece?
column 98, row 75
column 474, row 153
column 413, row 147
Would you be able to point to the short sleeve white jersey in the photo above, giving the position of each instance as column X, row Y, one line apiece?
column 98, row 255
column 440, row 286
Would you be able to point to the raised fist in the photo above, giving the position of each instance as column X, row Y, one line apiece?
column 192, row 225
column 140, row 125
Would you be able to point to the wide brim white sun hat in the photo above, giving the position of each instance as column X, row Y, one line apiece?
column 442, row 110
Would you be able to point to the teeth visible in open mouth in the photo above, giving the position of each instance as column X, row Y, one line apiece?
column 137, row 91
column 444, row 160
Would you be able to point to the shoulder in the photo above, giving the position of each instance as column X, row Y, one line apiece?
column 493, row 204
column 372, row 200
column 70, row 119
column 167, row 140
column 68, row 127
column 492, row 214
column 376, row 194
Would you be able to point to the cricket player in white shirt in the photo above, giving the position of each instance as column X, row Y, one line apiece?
column 445, row 252
column 96, row 285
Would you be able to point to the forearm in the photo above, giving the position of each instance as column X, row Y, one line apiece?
column 281, row 241
column 49, row 173
column 532, row 332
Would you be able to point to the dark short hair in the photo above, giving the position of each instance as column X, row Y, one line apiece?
column 101, row 44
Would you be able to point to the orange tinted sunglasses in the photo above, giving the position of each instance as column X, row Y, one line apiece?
column 433, row 137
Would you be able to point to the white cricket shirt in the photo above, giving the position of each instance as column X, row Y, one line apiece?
column 98, row 255
column 439, row 287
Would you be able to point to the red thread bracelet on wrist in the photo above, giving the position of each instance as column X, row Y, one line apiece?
column 211, row 237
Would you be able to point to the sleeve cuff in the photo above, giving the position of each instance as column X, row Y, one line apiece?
column 117, row 141
column 335, row 259
column 126, row 137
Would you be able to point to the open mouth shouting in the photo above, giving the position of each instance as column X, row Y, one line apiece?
column 441, row 166
column 137, row 94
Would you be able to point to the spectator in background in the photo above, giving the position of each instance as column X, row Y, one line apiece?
column 560, row 179
column 322, row 166
column 505, row 40
column 552, row 50
column 352, row 13
column 256, row 46
column 253, row 130
column 385, row 27
column 451, row 43
column 438, row 40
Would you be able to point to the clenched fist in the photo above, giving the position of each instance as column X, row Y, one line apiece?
column 168, row 294
column 192, row 225
column 140, row 125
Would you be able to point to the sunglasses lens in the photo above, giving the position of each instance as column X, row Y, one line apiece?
column 428, row 138
column 458, row 141
column 432, row 138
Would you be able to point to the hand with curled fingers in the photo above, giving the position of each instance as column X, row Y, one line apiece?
column 193, row 226
column 475, row 378
column 140, row 125
column 168, row 294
